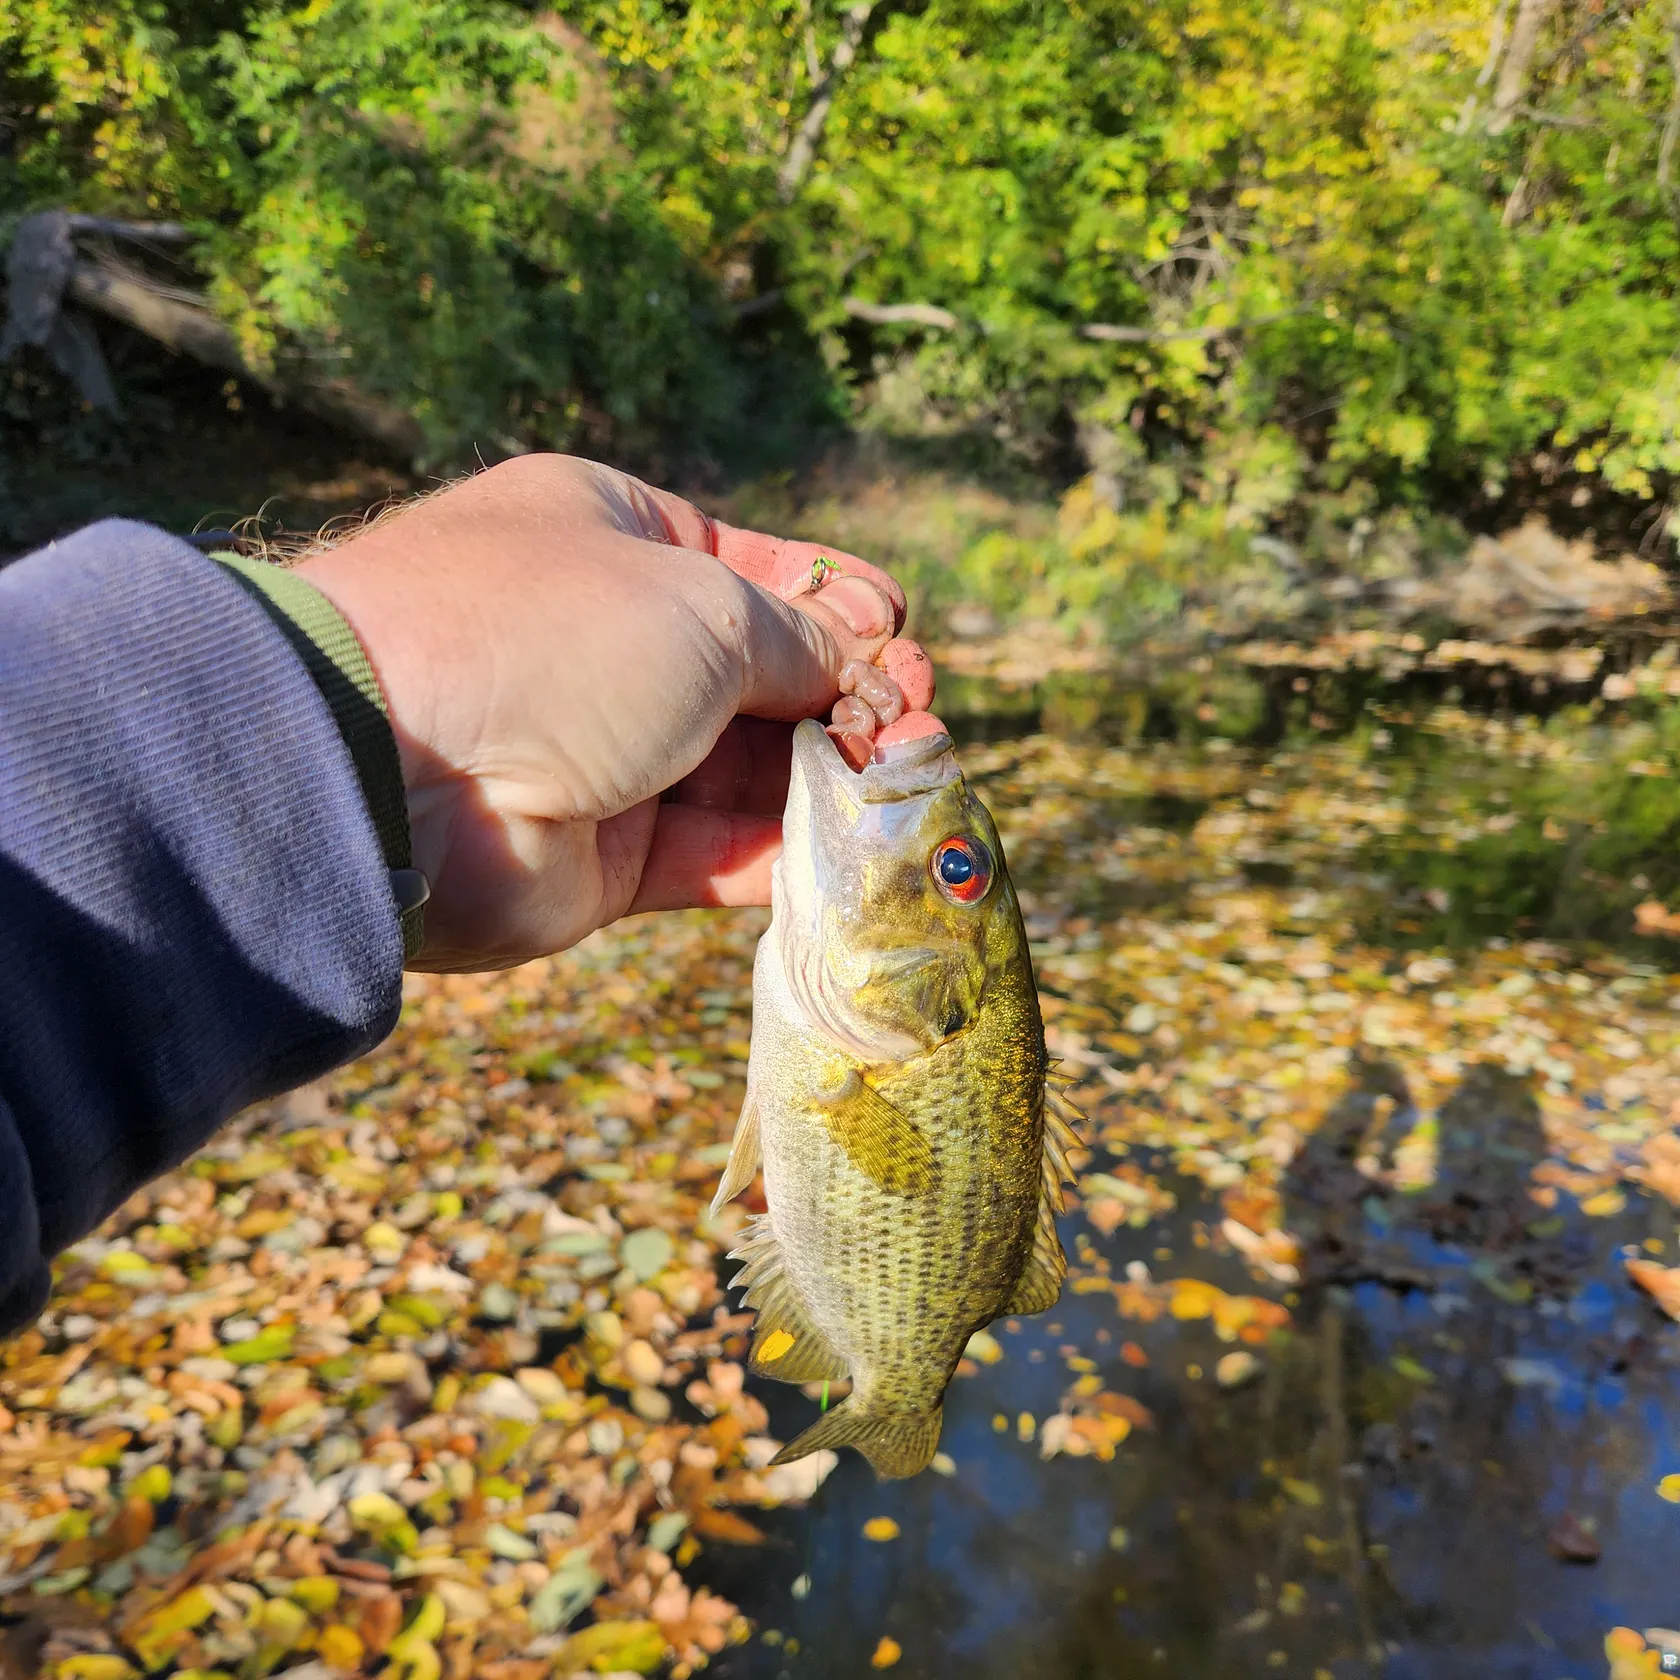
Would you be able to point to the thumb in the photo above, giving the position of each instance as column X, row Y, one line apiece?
column 789, row 654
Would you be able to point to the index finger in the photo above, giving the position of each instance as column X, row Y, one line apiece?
column 781, row 566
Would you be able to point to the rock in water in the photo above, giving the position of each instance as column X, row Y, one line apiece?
column 897, row 1096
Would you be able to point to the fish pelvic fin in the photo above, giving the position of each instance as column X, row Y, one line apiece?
column 744, row 1155
column 895, row 1443
column 786, row 1341
column 881, row 1141
column 1041, row 1278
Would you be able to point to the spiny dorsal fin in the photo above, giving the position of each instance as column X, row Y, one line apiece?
column 1060, row 1135
column 786, row 1342
column 896, row 1443
column 743, row 1156
column 883, row 1143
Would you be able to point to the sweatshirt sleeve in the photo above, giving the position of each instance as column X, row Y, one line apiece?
column 195, row 912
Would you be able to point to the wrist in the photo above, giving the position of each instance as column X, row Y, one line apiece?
column 339, row 666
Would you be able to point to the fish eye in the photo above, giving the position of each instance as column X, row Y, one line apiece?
column 962, row 868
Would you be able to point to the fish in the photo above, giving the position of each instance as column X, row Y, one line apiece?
column 900, row 1099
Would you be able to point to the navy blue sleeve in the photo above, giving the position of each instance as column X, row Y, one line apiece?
column 194, row 910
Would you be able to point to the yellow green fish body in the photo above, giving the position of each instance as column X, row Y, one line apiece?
column 896, row 1098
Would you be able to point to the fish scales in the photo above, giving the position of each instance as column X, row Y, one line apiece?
column 896, row 1099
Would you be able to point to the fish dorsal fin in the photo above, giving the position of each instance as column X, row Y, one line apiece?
column 1061, row 1135
column 743, row 1156
column 1041, row 1278
column 786, row 1341
column 881, row 1141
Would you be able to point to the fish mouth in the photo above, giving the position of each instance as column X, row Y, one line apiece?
column 912, row 769
column 836, row 819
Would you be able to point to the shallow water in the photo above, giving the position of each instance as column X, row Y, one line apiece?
column 1369, row 1002
column 1463, row 1368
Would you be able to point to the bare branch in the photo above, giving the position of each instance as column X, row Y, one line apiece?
column 802, row 151
column 1496, row 45
column 1520, row 202
column 1512, row 85
column 1671, row 123
column 1552, row 119
column 144, row 233
column 1104, row 333
column 931, row 315
column 898, row 314
column 765, row 301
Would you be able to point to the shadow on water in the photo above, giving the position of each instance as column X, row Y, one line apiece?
column 1442, row 1469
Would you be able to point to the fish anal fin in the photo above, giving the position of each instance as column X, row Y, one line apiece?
column 744, row 1155
column 881, row 1141
column 895, row 1443
column 786, row 1341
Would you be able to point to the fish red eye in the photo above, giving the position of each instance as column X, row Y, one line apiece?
column 962, row 869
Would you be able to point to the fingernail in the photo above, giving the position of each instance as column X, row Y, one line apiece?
column 863, row 608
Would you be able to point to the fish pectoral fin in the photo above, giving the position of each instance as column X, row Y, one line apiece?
column 786, row 1341
column 1041, row 1277
column 895, row 1443
column 881, row 1141
column 744, row 1155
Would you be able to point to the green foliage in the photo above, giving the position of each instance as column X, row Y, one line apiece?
column 393, row 188
column 1373, row 243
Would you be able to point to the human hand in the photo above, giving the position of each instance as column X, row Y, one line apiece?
column 593, row 687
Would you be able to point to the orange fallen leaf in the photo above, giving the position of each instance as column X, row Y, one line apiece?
column 1661, row 1283
column 1124, row 1406
column 1654, row 917
column 713, row 1524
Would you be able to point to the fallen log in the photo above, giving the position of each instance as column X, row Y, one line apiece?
column 45, row 272
column 195, row 332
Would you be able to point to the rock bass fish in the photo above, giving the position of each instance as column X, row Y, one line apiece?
column 898, row 1098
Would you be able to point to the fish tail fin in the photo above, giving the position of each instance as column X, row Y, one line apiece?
column 895, row 1443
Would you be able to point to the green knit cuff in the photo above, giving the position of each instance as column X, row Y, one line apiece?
column 339, row 666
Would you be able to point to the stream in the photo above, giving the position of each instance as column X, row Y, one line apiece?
column 1468, row 1386
column 1367, row 1364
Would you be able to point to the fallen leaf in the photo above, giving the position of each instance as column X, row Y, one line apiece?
column 1235, row 1369
column 1661, row 1283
